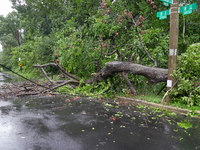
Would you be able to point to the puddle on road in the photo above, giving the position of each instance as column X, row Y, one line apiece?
column 4, row 103
column 84, row 124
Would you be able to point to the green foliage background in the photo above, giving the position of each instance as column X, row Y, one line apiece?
column 84, row 36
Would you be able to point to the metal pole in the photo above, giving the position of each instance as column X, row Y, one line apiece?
column 173, row 44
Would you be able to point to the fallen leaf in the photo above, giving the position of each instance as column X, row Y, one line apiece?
column 67, row 100
column 83, row 112
column 102, row 143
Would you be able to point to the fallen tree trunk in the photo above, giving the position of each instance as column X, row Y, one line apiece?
column 154, row 75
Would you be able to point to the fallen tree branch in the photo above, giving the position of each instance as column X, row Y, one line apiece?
column 48, row 77
column 125, row 75
column 168, row 91
column 60, row 68
column 155, row 63
column 110, row 53
column 162, row 89
column 192, row 92
column 59, row 85
column 25, row 94
column 154, row 75
column 90, row 63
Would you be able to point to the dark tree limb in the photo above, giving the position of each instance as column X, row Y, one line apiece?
column 155, row 63
column 60, row 68
column 192, row 92
column 90, row 63
column 131, row 58
column 162, row 88
column 51, row 81
column 110, row 53
column 168, row 91
column 62, row 84
column 26, row 94
column 125, row 75
column 154, row 75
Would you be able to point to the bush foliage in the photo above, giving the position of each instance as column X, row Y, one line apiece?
column 187, row 90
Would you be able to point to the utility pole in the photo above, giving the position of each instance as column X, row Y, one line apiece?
column 174, row 27
column 173, row 44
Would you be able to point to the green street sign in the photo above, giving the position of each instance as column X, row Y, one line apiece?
column 185, row 10
column 168, row 1
column 163, row 14
column 162, row 17
column 165, row 4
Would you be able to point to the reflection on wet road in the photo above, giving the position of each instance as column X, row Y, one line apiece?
column 60, row 123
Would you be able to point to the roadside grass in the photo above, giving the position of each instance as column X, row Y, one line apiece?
column 152, row 97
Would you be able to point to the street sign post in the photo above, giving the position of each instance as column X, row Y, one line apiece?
column 163, row 14
column 173, row 45
column 168, row 1
column 166, row 4
column 185, row 10
column 174, row 26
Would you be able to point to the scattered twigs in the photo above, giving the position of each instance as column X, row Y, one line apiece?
column 155, row 63
column 64, row 75
column 26, row 94
column 168, row 91
column 59, row 85
column 73, row 79
column 108, row 54
column 162, row 89
column 192, row 92
column 67, row 73
column 60, row 68
column 48, row 77
column 125, row 75
column 135, row 23
column 131, row 58
column 90, row 63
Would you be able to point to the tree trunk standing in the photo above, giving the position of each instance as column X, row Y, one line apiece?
column 173, row 44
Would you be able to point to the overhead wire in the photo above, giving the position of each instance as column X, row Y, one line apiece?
column 24, row 77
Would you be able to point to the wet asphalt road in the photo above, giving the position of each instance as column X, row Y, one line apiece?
column 63, row 123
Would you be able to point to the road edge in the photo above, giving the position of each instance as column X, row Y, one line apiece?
column 151, row 104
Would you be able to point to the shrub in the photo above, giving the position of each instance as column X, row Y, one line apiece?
column 187, row 90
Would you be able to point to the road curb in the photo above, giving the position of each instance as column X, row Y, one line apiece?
column 150, row 104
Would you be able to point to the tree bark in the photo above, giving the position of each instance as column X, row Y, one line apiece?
column 155, row 75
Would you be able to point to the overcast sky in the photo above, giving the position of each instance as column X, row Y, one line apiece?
column 5, row 8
